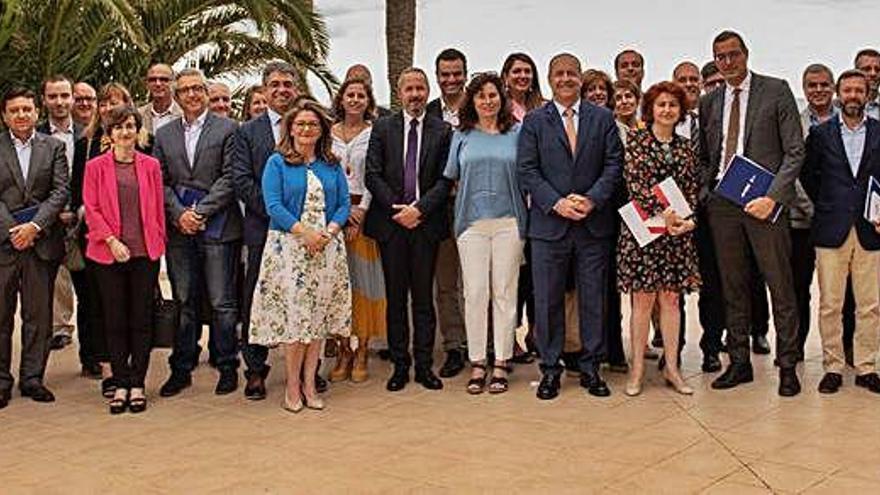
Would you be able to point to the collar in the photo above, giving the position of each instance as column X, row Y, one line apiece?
column 157, row 114
column 56, row 129
column 561, row 108
column 816, row 119
column 446, row 108
column 23, row 144
column 744, row 86
column 196, row 124
column 859, row 128
column 407, row 119
column 274, row 117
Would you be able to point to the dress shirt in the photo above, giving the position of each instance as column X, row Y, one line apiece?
column 450, row 115
column 853, row 143
column 814, row 119
column 420, row 124
column 743, row 105
column 23, row 152
column 690, row 123
column 275, row 120
column 65, row 135
column 576, row 106
column 162, row 118
column 872, row 109
column 191, row 133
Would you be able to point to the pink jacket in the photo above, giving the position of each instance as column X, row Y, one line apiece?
column 101, row 201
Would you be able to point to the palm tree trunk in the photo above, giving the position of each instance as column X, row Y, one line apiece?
column 400, row 37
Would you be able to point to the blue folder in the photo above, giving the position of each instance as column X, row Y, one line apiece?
column 745, row 180
column 189, row 197
column 25, row 215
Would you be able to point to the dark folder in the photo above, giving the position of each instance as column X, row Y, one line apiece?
column 189, row 197
column 25, row 215
column 745, row 180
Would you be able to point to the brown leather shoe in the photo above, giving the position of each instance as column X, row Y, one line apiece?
column 344, row 357
column 359, row 372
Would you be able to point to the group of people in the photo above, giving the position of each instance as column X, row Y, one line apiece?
column 326, row 229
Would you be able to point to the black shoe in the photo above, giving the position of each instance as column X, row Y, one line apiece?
column 4, row 398
column 92, row 371
column 384, row 354
column 735, row 374
column 398, row 379
column 657, row 341
column 549, row 387
column 453, row 365
column 227, row 383
column 38, row 393
column 594, row 384
column 255, row 388
column 108, row 387
column 59, row 342
column 830, row 383
column 175, row 384
column 711, row 363
column 760, row 345
column 789, row 385
column 869, row 381
column 137, row 405
column 428, row 379
column 321, row 385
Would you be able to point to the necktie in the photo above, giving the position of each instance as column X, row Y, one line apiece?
column 410, row 177
column 732, row 129
column 694, row 130
column 569, row 129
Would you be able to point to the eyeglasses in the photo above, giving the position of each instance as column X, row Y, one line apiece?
column 215, row 99
column 307, row 125
column 192, row 89
column 84, row 99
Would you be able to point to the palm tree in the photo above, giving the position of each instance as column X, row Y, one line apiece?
column 400, row 36
column 116, row 40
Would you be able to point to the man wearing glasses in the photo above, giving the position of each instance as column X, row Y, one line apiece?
column 162, row 108
column 85, row 103
column 769, row 133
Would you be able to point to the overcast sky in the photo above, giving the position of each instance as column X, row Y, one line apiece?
column 784, row 36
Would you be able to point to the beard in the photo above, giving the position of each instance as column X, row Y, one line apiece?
column 853, row 109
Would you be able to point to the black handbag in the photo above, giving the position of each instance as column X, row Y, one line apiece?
column 166, row 319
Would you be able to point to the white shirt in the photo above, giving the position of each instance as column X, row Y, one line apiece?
column 450, row 115
column 275, row 120
column 66, row 137
column 575, row 107
column 160, row 119
column 192, row 131
column 691, row 122
column 353, row 156
column 23, row 151
column 728, row 104
column 420, row 124
column 853, row 142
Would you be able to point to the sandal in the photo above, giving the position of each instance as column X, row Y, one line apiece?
column 119, row 402
column 137, row 404
column 499, row 384
column 476, row 386
column 108, row 387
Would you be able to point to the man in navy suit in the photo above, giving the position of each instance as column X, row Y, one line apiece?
column 569, row 161
column 842, row 156
column 255, row 140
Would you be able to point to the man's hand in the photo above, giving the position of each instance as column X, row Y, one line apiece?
column 23, row 236
column 190, row 222
column 352, row 232
column 573, row 207
column 407, row 215
column 357, row 215
column 760, row 208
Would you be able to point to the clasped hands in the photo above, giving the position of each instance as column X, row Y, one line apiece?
column 676, row 225
column 574, row 207
column 23, row 235
column 190, row 222
column 409, row 216
column 315, row 240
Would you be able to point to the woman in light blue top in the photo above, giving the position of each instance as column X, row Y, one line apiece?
column 490, row 216
column 303, row 293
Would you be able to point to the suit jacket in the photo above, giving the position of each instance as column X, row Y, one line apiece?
column 435, row 108
column 46, row 128
column 839, row 197
column 772, row 136
column 548, row 171
column 45, row 185
column 212, row 172
column 101, row 198
column 252, row 146
column 384, row 177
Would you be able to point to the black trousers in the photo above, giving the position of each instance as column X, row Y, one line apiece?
column 408, row 262
column 126, row 294
column 737, row 233
column 34, row 279
column 254, row 355
column 803, row 264
column 613, row 316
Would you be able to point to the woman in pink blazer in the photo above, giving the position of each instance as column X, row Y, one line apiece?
column 124, row 207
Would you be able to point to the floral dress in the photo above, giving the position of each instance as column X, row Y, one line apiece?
column 670, row 262
column 302, row 297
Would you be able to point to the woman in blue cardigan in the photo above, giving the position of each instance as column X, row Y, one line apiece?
column 303, row 293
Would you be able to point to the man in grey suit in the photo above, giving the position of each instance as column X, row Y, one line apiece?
column 754, row 116
column 195, row 151
column 33, row 191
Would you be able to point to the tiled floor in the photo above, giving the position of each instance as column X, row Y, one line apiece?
column 747, row 440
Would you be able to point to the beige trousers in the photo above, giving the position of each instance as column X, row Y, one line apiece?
column 62, row 304
column 832, row 266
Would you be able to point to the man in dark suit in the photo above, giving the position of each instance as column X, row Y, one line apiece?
column 255, row 140
column 33, row 191
column 195, row 152
column 754, row 116
column 405, row 161
column 843, row 154
column 450, row 69
column 569, row 160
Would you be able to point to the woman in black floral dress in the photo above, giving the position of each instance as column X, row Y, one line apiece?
column 666, row 267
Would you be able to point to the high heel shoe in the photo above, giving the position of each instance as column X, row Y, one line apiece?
column 634, row 384
column 314, row 403
column 678, row 384
column 294, row 408
column 119, row 403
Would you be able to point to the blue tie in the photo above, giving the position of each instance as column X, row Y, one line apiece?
column 410, row 177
